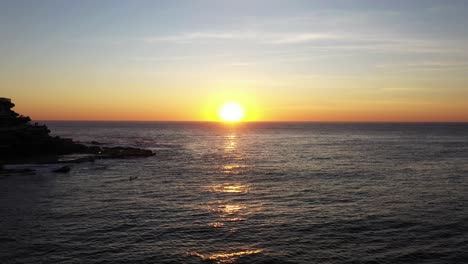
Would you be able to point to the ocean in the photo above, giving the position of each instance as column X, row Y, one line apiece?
column 246, row 193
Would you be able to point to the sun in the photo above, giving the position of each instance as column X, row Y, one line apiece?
column 231, row 112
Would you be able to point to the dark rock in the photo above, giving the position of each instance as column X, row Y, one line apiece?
column 21, row 141
column 19, row 171
column 124, row 152
column 63, row 169
column 79, row 160
column 94, row 150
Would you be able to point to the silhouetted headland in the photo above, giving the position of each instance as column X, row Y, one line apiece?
column 21, row 142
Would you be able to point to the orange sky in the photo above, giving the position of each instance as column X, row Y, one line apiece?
column 308, row 61
column 256, row 110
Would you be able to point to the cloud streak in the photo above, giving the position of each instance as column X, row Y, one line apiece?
column 318, row 40
column 260, row 37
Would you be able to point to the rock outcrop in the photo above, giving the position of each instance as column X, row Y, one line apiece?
column 20, row 140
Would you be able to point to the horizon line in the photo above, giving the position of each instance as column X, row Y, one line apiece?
column 267, row 121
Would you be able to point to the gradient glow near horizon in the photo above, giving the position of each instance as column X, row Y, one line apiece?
column 281, row 60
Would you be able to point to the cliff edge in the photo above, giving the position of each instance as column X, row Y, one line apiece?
column 22, row 141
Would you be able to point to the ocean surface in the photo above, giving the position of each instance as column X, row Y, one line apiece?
column 247, row 193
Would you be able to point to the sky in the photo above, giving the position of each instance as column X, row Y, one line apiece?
column 282, row 60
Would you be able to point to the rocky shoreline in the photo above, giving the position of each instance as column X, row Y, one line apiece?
column 22, row 142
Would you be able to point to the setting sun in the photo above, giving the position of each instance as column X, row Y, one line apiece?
column 231, row 112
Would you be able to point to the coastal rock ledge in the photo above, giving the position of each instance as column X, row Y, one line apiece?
column 21, row 141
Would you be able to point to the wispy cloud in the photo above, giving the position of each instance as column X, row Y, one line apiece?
column 318, row 40
column 427, row 65
column 164, row 58
column 260, row 37
column 302, row 38
column 198, row 36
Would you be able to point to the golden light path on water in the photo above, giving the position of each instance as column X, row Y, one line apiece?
column 228, row 213
column 230, row 188
column 227, row 257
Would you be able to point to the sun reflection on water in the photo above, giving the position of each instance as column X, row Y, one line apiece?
column 229, row 209
column 232, row 168
column 226, row 257
column 217, row 224
column 229, row 188
column 231, row 142
column 228, row 213
column 234, row 219
column 230, row 145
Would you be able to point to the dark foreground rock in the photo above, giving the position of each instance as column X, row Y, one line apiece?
column 18, row 171
column 63, row 169
column 122, row 153
column 22, row 142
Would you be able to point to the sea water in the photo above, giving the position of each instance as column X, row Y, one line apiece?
column 246, row 193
